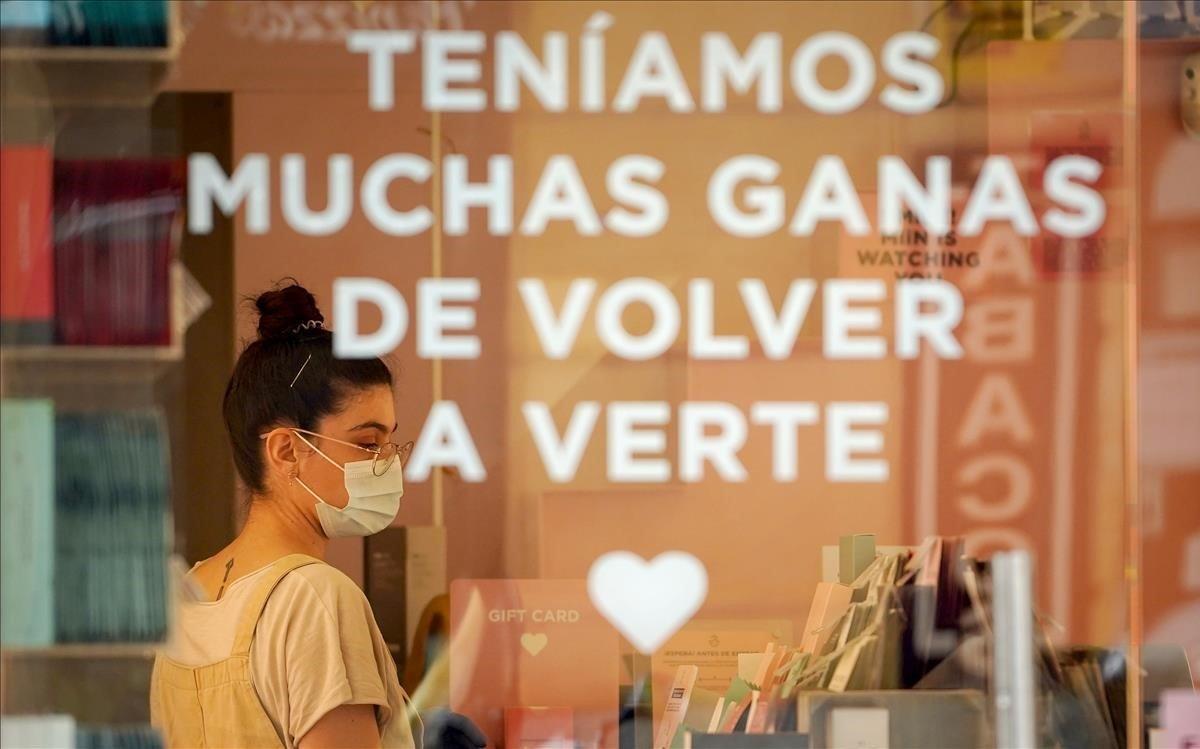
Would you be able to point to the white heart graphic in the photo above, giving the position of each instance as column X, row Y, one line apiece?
column 647, row 601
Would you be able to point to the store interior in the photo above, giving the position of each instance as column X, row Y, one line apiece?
column 1068, row 430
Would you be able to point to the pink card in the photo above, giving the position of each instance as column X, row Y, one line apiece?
column 533, row 644
column 539, row 728
column 1180, row 714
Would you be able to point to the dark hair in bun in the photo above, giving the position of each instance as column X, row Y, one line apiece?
column 264, row 390
column 286, row 310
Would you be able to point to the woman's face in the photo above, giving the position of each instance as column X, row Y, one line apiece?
column 367, row 419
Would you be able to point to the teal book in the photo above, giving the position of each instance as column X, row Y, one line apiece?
column 108, row 23
column 27, row 507
column 113, row 492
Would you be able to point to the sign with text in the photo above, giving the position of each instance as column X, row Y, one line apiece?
column 533, row 644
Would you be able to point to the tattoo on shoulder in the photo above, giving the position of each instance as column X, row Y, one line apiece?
column 228, row 567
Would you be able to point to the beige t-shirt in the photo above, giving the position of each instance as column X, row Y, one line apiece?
column 317, row 647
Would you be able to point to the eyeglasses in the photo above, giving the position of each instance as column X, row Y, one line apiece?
column 386, row 455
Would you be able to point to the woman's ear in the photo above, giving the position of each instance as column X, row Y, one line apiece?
column 283, row 453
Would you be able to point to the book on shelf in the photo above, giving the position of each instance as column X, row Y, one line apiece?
column 27, row 477
column 117, row 737
column 111, row 526
column 114, row 229
column 131, row 23
column 50, row 731
column 85, row 23
column 25, row 23
column 26, row 249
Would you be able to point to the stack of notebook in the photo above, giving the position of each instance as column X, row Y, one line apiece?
column 113, row 227
column 112, row 542
column 91, row 23
column 117, row 737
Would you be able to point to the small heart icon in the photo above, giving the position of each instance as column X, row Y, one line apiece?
column 534, row 643
column 647, row 601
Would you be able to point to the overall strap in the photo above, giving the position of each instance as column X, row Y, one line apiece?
column 258, row 599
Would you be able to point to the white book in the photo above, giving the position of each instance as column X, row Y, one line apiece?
column 37, row 732
column 27, row 480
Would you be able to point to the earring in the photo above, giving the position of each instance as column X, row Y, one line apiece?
column 293, row 476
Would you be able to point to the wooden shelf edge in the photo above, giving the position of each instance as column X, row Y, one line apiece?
column 93, row 354
column 90, row 54
column 85, row 650
column 164, row 355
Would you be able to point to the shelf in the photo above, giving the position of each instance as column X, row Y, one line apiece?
column 29, row 369
column 88, row 54
column 84, row 650
column 65, row 80
column 81, row 76
column 82, row 375
column 91, row 354
column 98, row 684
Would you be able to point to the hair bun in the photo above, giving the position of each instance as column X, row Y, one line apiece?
column 285, row 308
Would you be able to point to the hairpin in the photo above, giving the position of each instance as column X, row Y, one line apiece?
column 308, row 325
column 302, row 366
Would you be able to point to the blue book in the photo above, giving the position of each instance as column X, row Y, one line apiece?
column 27, row 507
column 24, row 23
column 24, row 14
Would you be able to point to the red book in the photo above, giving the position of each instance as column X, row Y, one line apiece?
column 113, row 249
column 26, row 249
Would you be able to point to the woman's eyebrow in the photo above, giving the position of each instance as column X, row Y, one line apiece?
column 374, row 425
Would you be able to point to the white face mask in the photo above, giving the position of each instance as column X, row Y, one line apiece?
column 374, row 500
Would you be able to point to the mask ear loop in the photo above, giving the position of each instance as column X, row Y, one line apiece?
column 296, row 472
column 332, row 462
column 310, row 491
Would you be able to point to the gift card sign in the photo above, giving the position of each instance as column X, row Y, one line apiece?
column 517, row 645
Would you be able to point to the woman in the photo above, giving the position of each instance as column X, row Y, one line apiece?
column 273, row 647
